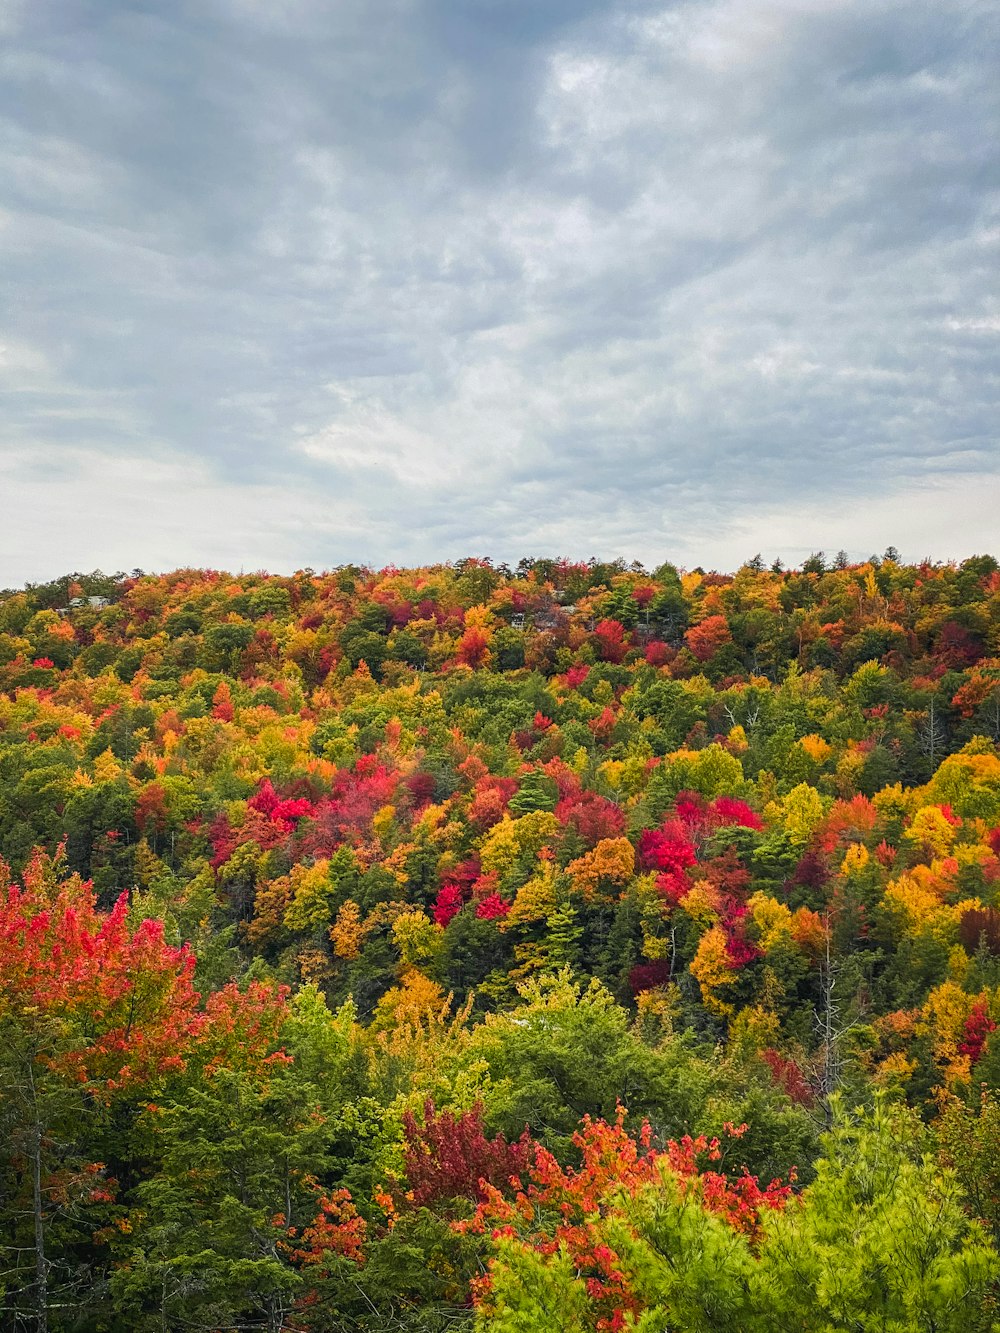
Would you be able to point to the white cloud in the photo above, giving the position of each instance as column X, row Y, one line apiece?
column 382, row 278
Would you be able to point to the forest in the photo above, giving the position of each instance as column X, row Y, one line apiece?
column 559, row 948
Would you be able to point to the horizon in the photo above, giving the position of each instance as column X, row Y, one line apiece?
column 837, row 561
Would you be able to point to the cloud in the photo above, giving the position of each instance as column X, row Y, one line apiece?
column 603, row 277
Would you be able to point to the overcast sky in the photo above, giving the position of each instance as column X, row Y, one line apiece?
column 292, row 283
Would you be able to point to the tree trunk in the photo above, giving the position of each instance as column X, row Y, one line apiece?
column 41, row 1275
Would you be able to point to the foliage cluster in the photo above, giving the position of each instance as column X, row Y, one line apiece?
column 342, row 914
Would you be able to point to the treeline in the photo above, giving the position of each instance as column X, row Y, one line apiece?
column 567, row 947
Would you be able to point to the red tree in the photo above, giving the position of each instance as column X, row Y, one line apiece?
column 448, row 1156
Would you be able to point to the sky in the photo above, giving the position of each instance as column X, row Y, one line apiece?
column 297, row 283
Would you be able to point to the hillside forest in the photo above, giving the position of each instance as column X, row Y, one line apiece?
column 472, row 949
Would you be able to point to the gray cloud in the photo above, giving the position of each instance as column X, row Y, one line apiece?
column 406, row 279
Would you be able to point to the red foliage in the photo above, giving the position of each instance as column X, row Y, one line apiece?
column 593, row 816
column 667, row 848
column 976, row 690
column 727, row 810
column 728, row 873
column 646, row 976
column 151, row 809
column 788, row 1076
column 131, row 993
column 291, row 811
column 489, row 801
column 885, row 854
column 345, row 815
column 421, row 787
column 562, row 1208
column 128, row 1010
column 739, row 950
column 223, row 704
column 473, row 647
column 449, row 1156
column 337, row 1231
column 956, row 647
column 658, row 653
column 492, row 907
column 282, row 811
column 603, row 725
column 610, row 636
column 690, row 809
column 448, row 903
column 977, row 1030
column 811, row 872
column 256, row 827
column 848, row 821
column 707, row 637
column 241, row 1029
column 264, row 799
column 672, row 886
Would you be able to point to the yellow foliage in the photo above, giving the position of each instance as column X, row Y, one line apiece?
column 508, row 840
column 894, row 1069
column 712, row 970
column 798, row 813
column 348, row 932
column 661, row 1003
column 633, row 775
column 412, row 1001
column 809, row 931
column 712, row 771
column 772, row 919
column 969, row 783
column 654, row 945
column 893, row 803
column 737, row 740
column 942, row 1018
column 613, row 860
column 959, row 964
column 701, row 903
column 849, row 768
column 430, row 818
column 916, row 897
column 395, row 862
column 535, row 901
column 416, row 937
column 931, row 829
column 754, row 1029
column 309, row 905
column 382, row 820
column 816, row 748
column 855, row 860
column 148, row 866
column 107, row 768
column 479, row 617
column 314, row 966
